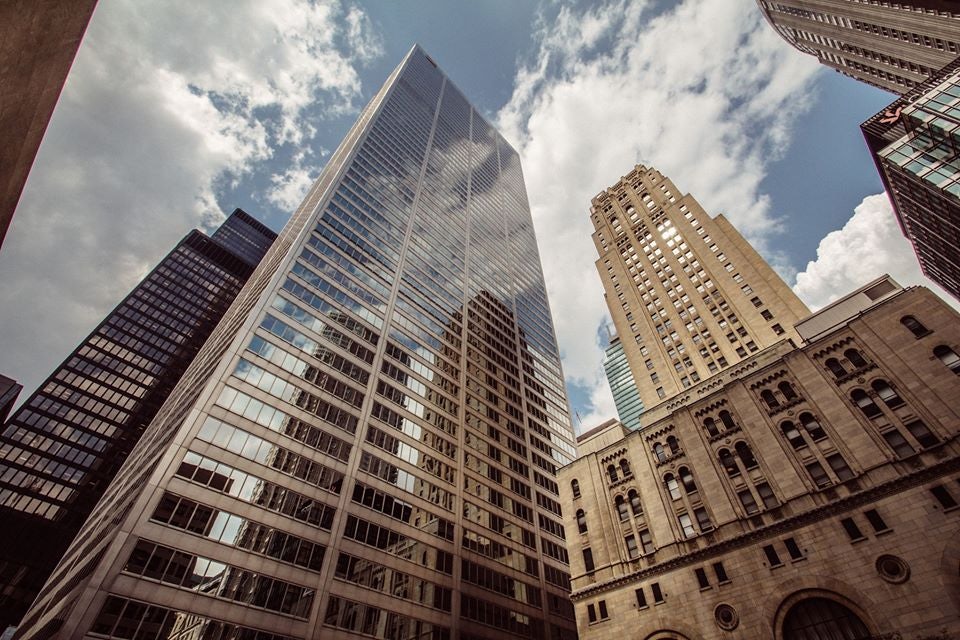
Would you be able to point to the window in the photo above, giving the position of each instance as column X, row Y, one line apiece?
column 836, row 368
column 702, row 579
column 787, row 390
column 729, row 463
column 612, row 472
column 746, row 455
column 944, row 497
column 660, row 393
column 915, row 326
column 948, row 357
column 591, row 613
column 657, row 593
column 819, row 476
column 622, row 509
column 777, row 329
column 812, row 427
column 659, row 453
column 855, row 358
column 711, row 426
column 839, row 466
column 773, row 559
column 686, row 525
column 624, row 467
column 749, row 504
column 641, row 598
column 588, row 559
column 646, row 542
column 793, row 435
column 602, row 605
column 771, row 401
column 632, row 550
column 674, row 445
column 581, row 521
column 703, row 519
column 721, row 572
column 687, row 479
column 793, row 549
column 853, row 531
column 923, row 435
column 575, row 486
column 886, row 393
column 670, row 482
column 727, row 420
column 898, row 443
column 876, row 521
column 766, row 495
column 635, row 505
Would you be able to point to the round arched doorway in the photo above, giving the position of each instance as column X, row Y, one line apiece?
column 823, row 619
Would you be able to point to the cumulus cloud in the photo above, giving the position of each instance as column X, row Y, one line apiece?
column 869, row 245
column 166, row 103
column 706, row 92
column 290, row 186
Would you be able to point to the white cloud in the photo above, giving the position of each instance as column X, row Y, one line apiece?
column 291, row 185
column 706, row 92
column 165, row 103
column 869, row 245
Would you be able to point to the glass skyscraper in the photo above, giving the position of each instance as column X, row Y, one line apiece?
column 368, row 443
column 622, row 384
column 61, row 449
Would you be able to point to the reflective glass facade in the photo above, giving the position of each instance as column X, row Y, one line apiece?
column 374, row 430
column 62, row 448
column 624, row 388
column 915, row 143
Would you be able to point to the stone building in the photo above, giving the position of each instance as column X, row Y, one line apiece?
column 810, row 491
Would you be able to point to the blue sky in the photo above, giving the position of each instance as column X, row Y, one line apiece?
column 177, row 112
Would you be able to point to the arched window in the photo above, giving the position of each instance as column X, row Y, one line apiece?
column 812, row 426
column 771, row 401
column 612, row 472
column 835, row 368
column 674, row 445
column 622, row 508
column 729, row 462
column 711, row 426
column 787, row 390
column 727, row 420
column 659, row 452
column 866, row 404
column 575, row 486
column 915, row 326
column 635, row 506
column 823, row 618
column 624, row 467
column 855, row 358
column 581, row 521
column 793, row 435
column 886, row 393
column 746, row 455
column 687, row 479
column 948, row 357
column 670, row 482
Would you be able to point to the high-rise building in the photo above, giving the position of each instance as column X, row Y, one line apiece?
column 62, row 448
column 688, row 295
column 893, row 46
column 813, row 491
column 914, row 143
column 367, row 444
column 624, row 388
column 38, row 42
column 9, row 390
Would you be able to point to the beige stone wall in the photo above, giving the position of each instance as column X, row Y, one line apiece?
column 873, row 476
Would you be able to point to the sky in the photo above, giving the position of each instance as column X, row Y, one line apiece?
column 175, row 113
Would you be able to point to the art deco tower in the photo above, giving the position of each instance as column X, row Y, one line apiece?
column 688, row 295
column 368, row 443
column 893, row 46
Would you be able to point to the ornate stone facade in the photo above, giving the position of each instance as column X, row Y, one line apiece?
column 807, row 488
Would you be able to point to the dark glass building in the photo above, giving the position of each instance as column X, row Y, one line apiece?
column 367, row 445
column 62, row 448
column 915, row 143
column 9, row 390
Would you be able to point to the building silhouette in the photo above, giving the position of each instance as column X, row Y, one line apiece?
column 892, row 46
column 688, row 295
column 624, row 388
column 389, row 388
column 68, row 440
